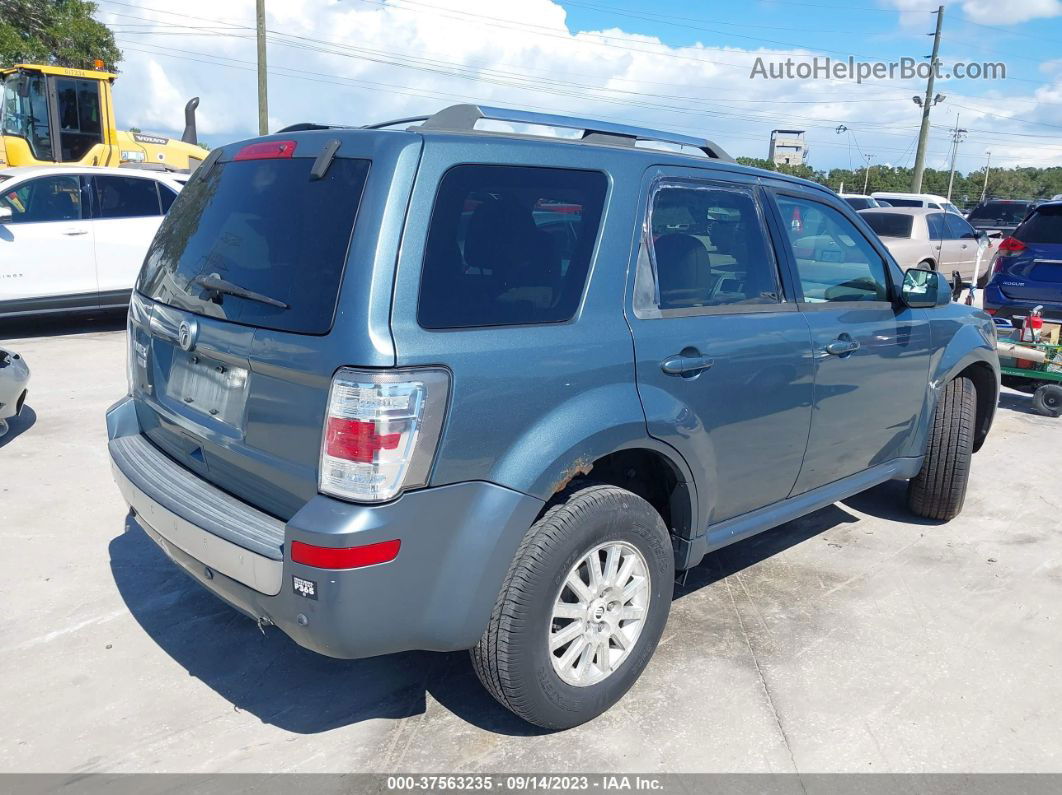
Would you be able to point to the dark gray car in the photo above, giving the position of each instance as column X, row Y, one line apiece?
column 441, row 388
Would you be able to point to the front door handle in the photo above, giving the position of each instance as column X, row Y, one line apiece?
column 840, row 347
column 72, row 232
column 686, row 365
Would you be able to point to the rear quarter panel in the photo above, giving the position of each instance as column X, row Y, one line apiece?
column 531, row 406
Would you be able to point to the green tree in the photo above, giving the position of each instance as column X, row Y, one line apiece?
column 58, row 32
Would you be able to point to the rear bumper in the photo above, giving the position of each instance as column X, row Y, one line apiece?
column 457, row 544
column 14, row 381
column 1014, row 309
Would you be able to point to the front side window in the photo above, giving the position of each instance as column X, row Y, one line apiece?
column 126, row 197
column 834, row 261
column 25, row 112
column 43, row 200
column 709, row 249
column 509, row 245
column 906, row 202
column 956, row 228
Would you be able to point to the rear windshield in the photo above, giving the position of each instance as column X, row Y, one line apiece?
column 509, row 245
column 1001, row 212
column 889, row 224
column 905, row 202
column 1043, row 226
column 860, row 202
column 263, row 226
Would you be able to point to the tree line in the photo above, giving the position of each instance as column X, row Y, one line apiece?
column 1023, row 182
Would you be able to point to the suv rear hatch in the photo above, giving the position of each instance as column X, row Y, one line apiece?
column 266, row 276
column 1033, row 271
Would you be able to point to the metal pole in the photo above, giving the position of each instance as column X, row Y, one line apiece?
column 263, row 93
column 866, row 175
column 923, row 132
column 988, row 162
column 954, row 153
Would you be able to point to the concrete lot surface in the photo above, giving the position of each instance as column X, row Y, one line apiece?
column 855, row 639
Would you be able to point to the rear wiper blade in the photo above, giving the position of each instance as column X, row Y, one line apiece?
column 216, row 285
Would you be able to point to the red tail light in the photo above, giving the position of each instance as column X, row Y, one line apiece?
column 1011, row 245
column 267, row 150
column 356, row 440
column 344, row 557
column 381, row 430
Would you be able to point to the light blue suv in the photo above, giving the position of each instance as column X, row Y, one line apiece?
column 443, row 388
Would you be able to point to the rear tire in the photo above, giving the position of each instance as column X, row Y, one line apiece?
column 939, row 489
column 1047, row 400
column 519, row 657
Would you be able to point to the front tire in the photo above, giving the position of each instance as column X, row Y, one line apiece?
column 581, row 609
column 939, row 489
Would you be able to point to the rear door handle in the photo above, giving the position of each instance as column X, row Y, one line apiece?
column 841, row 347
column 686, row 365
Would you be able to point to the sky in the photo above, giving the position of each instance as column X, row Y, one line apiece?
column 665, row 64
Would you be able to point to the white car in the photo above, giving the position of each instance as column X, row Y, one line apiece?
column 930, row 200
column 74, row 238
column 14, row 382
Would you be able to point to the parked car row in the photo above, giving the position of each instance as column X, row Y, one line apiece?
column 73, row 239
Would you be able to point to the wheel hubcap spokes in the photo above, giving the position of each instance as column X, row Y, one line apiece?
column 599, row 613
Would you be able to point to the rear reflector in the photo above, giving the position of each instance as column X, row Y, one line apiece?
column 344, row 557
column 267, row 150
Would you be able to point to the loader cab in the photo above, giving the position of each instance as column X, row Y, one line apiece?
column 56, row 115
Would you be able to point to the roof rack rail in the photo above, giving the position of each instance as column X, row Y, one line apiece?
column 303, row 126
column 463, row 118
column 395, row 122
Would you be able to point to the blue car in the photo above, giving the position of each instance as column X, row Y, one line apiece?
column 443, row 388
column 1027, row 271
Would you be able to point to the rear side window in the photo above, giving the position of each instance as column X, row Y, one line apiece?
column 126, row 197
column 1043, row 226
column 263, row 226
column 889, row 224
column 509, row 245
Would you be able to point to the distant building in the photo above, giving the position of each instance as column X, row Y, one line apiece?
column 788, row 148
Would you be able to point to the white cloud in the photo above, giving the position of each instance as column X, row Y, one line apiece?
column 359, row 61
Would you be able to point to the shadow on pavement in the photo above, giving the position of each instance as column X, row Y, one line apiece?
column 61, row 325
column 16, row 426
column 300, row 691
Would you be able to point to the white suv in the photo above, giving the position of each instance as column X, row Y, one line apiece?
column 74, row 238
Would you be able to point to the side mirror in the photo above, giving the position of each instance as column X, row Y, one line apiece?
column 6, row 214
column 924, row 289
column 982, row 234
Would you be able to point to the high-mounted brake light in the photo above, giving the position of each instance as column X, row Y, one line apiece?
column 381, row 431
column 267, row 150
column 344, row 557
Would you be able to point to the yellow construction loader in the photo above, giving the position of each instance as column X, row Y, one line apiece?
column 52, row 115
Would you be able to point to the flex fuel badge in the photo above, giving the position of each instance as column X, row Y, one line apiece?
column 307, row 588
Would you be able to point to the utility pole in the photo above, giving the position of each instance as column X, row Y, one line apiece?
column 988, row 162
column 866, row 176
column 929, row 102
column 956, row 137
column 263, row 92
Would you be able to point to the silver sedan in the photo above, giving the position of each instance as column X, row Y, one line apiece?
column 919, row 237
